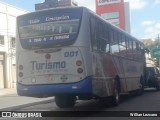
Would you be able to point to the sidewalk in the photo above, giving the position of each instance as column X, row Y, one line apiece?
column 9, row 100
column 7, row 91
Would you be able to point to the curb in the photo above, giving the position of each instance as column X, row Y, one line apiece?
column 16, row 108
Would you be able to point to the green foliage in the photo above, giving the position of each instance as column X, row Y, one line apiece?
column 154, row 44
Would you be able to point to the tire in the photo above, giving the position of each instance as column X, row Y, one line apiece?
column 116, row 96
column 157, row 86
column 141, row 89
column 65, row 101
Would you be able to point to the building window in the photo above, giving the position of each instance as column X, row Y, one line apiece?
column 1, row 40
column 13, row 42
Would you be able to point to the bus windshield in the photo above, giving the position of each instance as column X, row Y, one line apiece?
column 45, row 31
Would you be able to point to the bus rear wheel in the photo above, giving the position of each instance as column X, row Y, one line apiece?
column 116, row 94
column 116, row 97
column 65, row 101
column 141, row 89
column 157, row 86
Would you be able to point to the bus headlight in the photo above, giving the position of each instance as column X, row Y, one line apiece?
column 20, row 74
column 80, row 70
column 20, row 67
column 78, row 62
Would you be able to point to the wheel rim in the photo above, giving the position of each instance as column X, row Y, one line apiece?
column 116, row 96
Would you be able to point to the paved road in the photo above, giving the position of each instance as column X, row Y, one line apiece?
column 149, row 101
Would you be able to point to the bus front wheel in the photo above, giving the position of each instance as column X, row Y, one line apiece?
column 65, row 101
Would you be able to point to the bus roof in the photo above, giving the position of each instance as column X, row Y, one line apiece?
column 81, row 8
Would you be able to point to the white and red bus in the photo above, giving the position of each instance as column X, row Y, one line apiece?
column 72, row 53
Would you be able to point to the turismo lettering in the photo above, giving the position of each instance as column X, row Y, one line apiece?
column 48, row 65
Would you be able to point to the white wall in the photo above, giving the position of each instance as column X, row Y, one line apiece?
column 8, row 14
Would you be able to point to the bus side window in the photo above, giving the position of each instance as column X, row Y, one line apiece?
column 130, row 49
column 106, row 32
column 104, row 38
column 138, row 46
column 127, row 46
column 103, row 41
column 139, row 51
column 115, row 48
column 107, row 48
column 113, row 43
column 123, row 46
column 93, row 33
column 134, row 50
column 103, row 45
column 100, row 36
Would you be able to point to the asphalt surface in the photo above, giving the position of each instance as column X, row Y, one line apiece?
column 149, row 101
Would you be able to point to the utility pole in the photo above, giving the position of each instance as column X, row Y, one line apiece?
column 158, row 47
column 158, row 37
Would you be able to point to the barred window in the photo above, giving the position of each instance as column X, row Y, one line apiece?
column 13, row 42
column 1, row 40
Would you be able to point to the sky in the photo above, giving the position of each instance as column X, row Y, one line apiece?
column 145, row 17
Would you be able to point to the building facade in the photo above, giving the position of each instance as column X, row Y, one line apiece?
column 47, row 4
column 115, row 11
column 8, row 14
